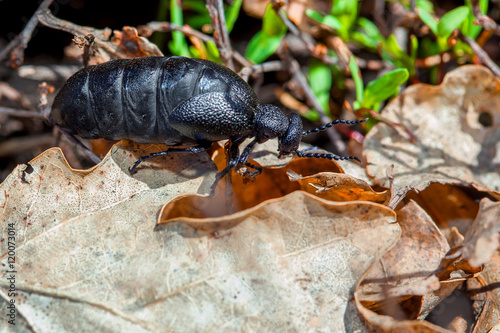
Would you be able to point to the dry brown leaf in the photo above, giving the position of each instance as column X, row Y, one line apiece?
column 45, row 192
column 92, row 258
column 485, row 292
column 382, row 323
column 405, row 267
column 452, row 144
column 448, row 205
column 132, row 45
column 339, row 187
column 273, row 182
column 483, row 238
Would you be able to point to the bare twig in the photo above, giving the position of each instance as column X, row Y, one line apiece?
column 307, row 40
column 148, row 29
column 20, row 113
column 221, row 36
column 47, row 73
column 434, row 60
column 17, row 46
column 89, row 153
column 101, row 36
column 486, row 22
column 18, row 145
column 301, row 80
column 44, row 90
column 270, row 66
column 481, row 54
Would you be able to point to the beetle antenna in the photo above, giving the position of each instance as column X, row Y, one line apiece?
column 327, row 156
column 330, row 124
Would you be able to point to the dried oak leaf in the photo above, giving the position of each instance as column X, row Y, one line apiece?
column 247, row 192
column 132, row 45
column 485, row 292
column 339, row 187
column 303, row 234
column 395, row 285
column 483, row 237
column 457, row 131
column 45, row 192
column 89, row 255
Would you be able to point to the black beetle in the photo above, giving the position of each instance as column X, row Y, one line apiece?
column 176, row 101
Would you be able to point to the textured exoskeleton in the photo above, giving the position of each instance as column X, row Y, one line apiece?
column 177, row 101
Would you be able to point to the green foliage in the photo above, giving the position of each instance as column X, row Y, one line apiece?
column 452, row 20
column 443, row 28
column 468, row 28
column 383, row 88
column 367, row 34
column 358, row 80
column 377, row 90
column 198, row 17
column 320, row 80
column 232, row 13
column 344, row 20
column 178, row 45
column 392, row 52
column 267, row 40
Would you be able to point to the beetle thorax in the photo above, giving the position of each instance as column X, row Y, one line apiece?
column 271, row 122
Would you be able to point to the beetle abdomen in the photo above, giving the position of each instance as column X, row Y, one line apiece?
column 132, row 99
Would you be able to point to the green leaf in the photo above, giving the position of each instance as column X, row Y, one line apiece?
column 425, row 5
column 178, row 44
column 232, row 14
column 468, row 27
column 428, row 20
column 452, row 20
column 346, row 11
column 272, row 24
column 213, row 52
column 414, row 49
column 367, row 34
column 198, row 13
column 320, row 80
column 266, row 41
column 327, row 20
column 392, row 52
column 384, row 87
column 262, row 46
column 356, row 76
column 311, row 115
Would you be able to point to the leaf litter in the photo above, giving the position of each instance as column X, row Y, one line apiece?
column 303, row 246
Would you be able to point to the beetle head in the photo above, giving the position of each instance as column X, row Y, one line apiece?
column 271, row 122
column 289, row 142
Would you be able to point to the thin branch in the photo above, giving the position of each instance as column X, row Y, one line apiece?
column 17, row 46
column 221, row 36
column 486, row 22
column 20, row 113
column 307, row 40
column 301, row 80
column 149, row 28
column 89, row 153
column 270, row 66
column 101, row 40
column 17, row 145
column 481, row 54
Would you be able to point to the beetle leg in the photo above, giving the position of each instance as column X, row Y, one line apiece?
column 193, row 150
column 233, row 160
column 246, row 153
